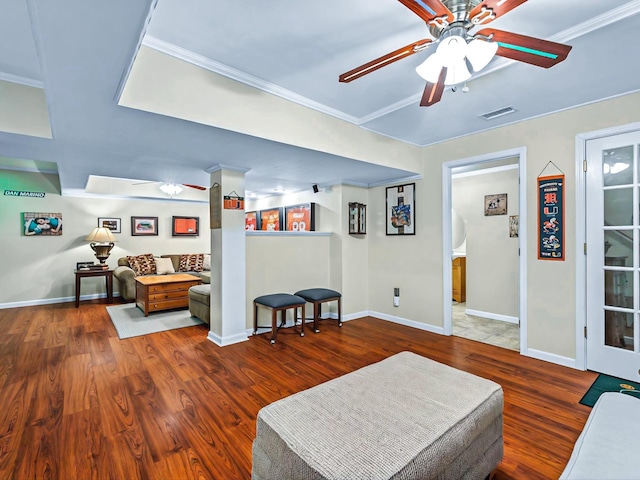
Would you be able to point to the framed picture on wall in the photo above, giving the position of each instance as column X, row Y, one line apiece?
column 112, row 224
column 401, row 212
column 271, row 219
column 41, row 224
column 495, row 204
column 514, row 222
column 251, row 221
column 300, row 218
column 144, row 226
column 185, row 226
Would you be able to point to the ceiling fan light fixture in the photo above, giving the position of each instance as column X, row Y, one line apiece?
column 452, row 50
column 171, row 189
column 430, row 68
column 480, row 53
column 457, row 73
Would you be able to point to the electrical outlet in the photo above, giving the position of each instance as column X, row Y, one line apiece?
column 396, row 292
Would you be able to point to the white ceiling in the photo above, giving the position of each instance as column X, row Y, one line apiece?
column 80, row 53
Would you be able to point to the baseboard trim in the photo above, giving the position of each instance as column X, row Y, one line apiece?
column 492, row 316
column 351, row 316
column 49, row 301
column 551, row 358
column 408, row 323
column 228, row 340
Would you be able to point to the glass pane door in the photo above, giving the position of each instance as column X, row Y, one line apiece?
column 613, row 263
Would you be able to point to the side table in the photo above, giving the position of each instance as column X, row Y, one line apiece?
column 108, row 274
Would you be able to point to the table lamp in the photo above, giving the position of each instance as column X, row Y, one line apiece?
column 101, row 240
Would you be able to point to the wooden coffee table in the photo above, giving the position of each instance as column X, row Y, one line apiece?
column 164, row 292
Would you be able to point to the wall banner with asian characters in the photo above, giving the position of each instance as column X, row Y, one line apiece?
column 551, row 225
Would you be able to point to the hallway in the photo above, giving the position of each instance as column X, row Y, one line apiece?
column 493, row 332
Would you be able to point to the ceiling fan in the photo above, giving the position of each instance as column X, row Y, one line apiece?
column 459, row 52
column 172, row 189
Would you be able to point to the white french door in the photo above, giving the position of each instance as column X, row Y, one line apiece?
column 613, row 259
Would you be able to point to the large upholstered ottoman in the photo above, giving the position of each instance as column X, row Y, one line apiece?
column 609, row 443
column 406, row 417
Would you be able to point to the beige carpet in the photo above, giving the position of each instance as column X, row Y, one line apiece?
column 130, row 321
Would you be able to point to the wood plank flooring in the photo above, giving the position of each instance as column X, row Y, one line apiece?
column 79, row 403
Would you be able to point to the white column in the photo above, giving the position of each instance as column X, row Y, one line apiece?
column 228, row 260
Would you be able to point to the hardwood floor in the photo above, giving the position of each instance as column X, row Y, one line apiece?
column 79, row 403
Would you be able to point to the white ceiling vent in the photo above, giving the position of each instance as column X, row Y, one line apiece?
column 498, row 113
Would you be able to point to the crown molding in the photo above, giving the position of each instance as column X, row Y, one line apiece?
column 125, row 74
column 29, row 82
column 242, row 77
column 29, row 169
column 230, row 168
column 484, row 171
column 627, row 10
column 80, row 193
column 410, row 178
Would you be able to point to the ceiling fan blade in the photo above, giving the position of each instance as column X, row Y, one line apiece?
column 197, row 187
column 433, row 91
column 431, row 11
column 489, row 10
column 384, row 60
column 534, row 51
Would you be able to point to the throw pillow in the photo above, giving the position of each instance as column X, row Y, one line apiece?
column 164, row 266
column 191, row 262
column 207, row 262
column 142, row 264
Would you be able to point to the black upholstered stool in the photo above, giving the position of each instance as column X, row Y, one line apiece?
column 278, row 302
column 318, row 296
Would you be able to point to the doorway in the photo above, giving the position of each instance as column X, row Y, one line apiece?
column 498, row 312
column 612, row 187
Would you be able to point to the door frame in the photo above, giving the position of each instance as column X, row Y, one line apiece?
column 447, row 168
column 581, row 232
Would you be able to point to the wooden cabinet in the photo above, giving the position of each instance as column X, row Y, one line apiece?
column 357, row 218
column 459, row 279
column 164, row 292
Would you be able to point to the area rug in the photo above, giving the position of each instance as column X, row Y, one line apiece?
column 605, row 383
column 130, row 321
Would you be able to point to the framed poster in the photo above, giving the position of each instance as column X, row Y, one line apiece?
column 551, row 217
column 300, row 218
column 185, row 226
column 495, row 204
column 401, row 210
column 271, row 219
column 233, row 202
column 42, row 224
column 514, row 224
column 251, row 221
column 112, row 224
column 143, row 226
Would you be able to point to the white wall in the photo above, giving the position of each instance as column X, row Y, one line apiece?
column 41, row 267
column 284, row 263
column 492, row 256
column 290, row 262
column 23, row 110
column 417, row 261
column 163, row 84
column 411, row 262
